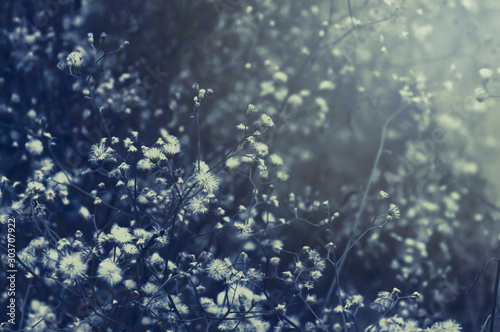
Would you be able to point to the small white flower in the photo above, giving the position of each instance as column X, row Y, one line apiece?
column 218, row 270
column 274, row 261
column 276, row 160
column 281, row 308
column 266, row 121
column 124, row 166
column 208, row 181
column 154, row 154
column 121, row 234
column 261, row 148
column 485, row 74
column 338, row 309
column 382, row 195
column 481, row 94
column 295, row 100
column 76, row 58
column 99, row 152
column 130, row 284
column 310, row 299
column 110, row 272
column 145, row 164
column 255, row 275
column 34, row 146
column 149, row 288
column 282, row 176
column 326, row 85
column 393, row 212
column 172, row 145
column 197, row 205
column 281, row 76
column 233, row 162
column 446, row 326
column 251, row 109
column 72, row 266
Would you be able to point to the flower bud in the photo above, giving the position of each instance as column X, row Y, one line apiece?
column 201, row 94
column 61, row 65
column 485, row 74
column 209, row 93
column 382, row 195
column 481, row 94
column 102, row 38
column 196, row 88
column 125, row 44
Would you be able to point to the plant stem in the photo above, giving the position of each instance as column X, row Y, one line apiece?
column 495, row 296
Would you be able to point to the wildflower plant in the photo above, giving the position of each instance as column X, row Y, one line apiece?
column 238, row 204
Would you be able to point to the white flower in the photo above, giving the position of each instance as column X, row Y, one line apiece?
column 171, row 146
column 124, row 166
column 144, row 164
column 84, row 212
column 251, row 109
column 266, row 121
column 197, row 205
column 72, row 266
column 393, row 212
column 255, row 275
column 35, row 320
column 382, row 195
column 383, row 302
column 282, row 176
column 274, row 261
column 295, row 100
column 207, row 181
column 281, row 308
column 261, row 148
column 149, row 288
column 233, row 162
column 446, row 326
column 34, row 146
column 76, row 58
column 154, row 154
column 130, row 284
column 50, row 258
column 338, row 309
column 310, row 299
column 244, row 230
column 355, row 300
column 326, row 85
column 280, row 76
column 485, row 74
column 99, row 152
column 276, row 160
column 481, row 94
column 218, row 270
column 121, row 234
column 110, row 272
column 416, row 296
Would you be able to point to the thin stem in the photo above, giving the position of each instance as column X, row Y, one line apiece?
column 495, row 297
column 374, row 167
column 350, row 13
column 199, row 138
column 351, row 242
